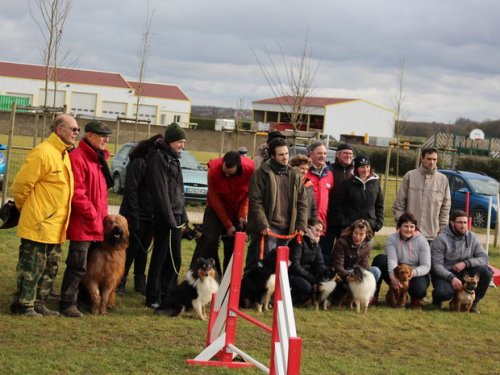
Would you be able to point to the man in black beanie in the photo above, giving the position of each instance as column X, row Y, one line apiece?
column 169, row 215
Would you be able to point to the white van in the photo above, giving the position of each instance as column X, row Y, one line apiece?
column 224, row 124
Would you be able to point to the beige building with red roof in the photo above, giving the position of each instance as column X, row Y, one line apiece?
column 94, row 94
column 332, row 116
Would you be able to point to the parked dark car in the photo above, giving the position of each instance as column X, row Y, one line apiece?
column 480, row 187
column 193, row 174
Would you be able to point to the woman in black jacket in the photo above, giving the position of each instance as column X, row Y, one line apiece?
column 137, row 207
column 361, row 197
column 307, row 263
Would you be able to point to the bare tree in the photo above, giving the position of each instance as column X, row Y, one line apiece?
column 291, row 81
column 143, row 58
column 401, row 114
column 50, row 21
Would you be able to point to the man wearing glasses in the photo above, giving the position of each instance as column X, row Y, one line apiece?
column 88, row 209
column 42, row 191
column 342, row 169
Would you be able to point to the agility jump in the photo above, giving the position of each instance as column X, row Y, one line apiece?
column 285, row 348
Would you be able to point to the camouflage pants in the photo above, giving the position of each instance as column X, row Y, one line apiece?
column 36, row 270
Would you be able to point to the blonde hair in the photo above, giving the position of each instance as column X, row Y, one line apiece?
column 359, row 224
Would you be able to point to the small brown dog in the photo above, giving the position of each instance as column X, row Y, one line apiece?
column 106, row 264
column 464, row 298
column 398, row 297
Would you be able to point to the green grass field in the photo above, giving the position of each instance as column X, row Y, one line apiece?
column 131, row 340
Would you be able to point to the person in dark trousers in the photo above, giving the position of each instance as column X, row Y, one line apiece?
column 169, row 215
column 361, row 197
column 342, row 170
column 455, row 252
column 137, row 207
column 89, row 206
column 227, row 206
column 307, row 264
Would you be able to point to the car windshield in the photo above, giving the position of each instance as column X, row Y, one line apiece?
column 188, row 161
column 485, row 186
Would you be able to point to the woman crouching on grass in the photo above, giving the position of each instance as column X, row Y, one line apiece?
column 410, row 247
column 353, row 249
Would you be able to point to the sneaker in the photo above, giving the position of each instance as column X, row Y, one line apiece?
column 45, row 311
column 120, row 290
column 474, row 309
column 21, row 310
column 153, row 305
column 71, row 312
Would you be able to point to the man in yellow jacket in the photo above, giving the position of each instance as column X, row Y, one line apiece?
column 42, row 191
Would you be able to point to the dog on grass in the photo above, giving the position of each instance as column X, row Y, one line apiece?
column 258, row 284
column 106, row 264
column 324, row 288
column 362, row 286
column 398, row 297
column 195, row 292
column 464, row 298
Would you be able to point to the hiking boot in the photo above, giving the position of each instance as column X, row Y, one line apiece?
column 436, row 306
column 474, row 309
column 21, row 310
column 71, row 312
column 140, row 284
column 53, row 296
column 44, row 310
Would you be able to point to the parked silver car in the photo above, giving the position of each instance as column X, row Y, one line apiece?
column 193, row 174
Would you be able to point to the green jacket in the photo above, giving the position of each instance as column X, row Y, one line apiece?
column 42, row 190
column 262, row 200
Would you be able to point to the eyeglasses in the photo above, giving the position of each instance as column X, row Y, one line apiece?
column 74, row 130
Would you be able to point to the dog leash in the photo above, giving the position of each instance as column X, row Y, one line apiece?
column 279, row 236
column 171, row 254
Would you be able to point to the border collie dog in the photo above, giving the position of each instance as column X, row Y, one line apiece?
column 195, row 292
column 323, row 289
column 258, row 284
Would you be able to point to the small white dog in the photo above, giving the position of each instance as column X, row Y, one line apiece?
column 362, row 285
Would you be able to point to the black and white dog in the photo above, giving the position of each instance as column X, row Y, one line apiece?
column 195, row 292
column 324, row 288
column 258, row 284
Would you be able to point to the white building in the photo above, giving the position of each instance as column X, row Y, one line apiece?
column 332, row 116
column 96, row 94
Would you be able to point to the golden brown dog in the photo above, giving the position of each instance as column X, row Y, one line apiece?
column 398, row 297
column 106, row 264
column 464, row 298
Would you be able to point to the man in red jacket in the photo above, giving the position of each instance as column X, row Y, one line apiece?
column 227, row 206
column 89, row 206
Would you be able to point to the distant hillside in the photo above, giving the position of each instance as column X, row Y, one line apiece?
column 461, row 127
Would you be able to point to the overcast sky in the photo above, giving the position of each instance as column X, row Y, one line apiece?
column 451, row 48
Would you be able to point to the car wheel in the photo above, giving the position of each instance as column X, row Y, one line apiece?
column 117, row 185
column 479, row 218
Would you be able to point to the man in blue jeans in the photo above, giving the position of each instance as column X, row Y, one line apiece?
column 454, row 252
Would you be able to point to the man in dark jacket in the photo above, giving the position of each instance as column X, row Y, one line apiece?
column 169, row 215
column 342, row 170
column 227, row 206
column 455, row 252
column 278, row 203
column 89, row 206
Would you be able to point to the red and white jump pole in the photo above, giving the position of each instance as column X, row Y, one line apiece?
column 224, row 312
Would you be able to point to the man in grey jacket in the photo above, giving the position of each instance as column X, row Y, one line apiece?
column 454, row 252
column 426, row 194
